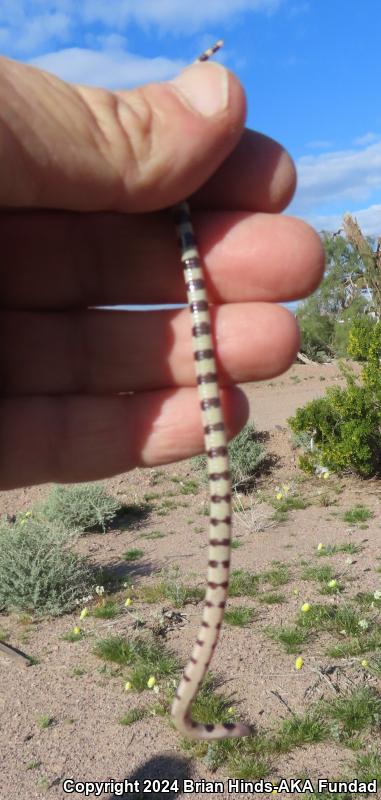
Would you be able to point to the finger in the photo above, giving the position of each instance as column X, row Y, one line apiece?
column 59, row 260
column 108, row 353
column 258, row 175
column 80, row 148
column 85, row 438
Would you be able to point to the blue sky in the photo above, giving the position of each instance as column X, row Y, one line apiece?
column 309, row 68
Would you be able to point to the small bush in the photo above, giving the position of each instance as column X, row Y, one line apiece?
column 38, row 571
column 245, row 455
column 80, row 507
column 345, row 423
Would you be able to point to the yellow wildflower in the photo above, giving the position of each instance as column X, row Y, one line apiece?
column 365, row 663
column 332, row 584
column 299, row 663
column 151, row 682
column 279, row 496
column 127, row 686
column 285, row 488
column 325, row 475
column 128, row 602
column 84, row 613
column 306, row 607
column 320, row 546
column 76, row 630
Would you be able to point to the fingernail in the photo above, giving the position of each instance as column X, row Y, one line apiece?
column 204, row 87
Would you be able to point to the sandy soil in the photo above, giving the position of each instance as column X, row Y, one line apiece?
column 86, row 701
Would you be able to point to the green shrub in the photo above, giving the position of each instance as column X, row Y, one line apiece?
column 360, row 337
column 316, row 332
column 38, row 571
column 245, row 455
column 346, row 422
column 80, row 507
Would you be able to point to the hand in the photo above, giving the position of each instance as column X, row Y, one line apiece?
column 87, row 178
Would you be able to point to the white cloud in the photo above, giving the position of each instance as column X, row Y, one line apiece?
column 180, row 16
column 367, row 138
column 346, row 175
column 110, row 69
column 45, row 28
column 29, row 25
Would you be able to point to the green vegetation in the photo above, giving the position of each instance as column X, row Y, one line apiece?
column 368, row 767
column 133, row 555
column 347, row 547
column 321, row 574
column 78, row 672
column 45, row 721
column 358, row 513
column 80, row 507
column 239, row 616
column 358, row 711
column 246, row 455
column 144, row 656
column 106, row 611
column 291, row 637
column 278, row 575
column 134, row 715
column 73, row 636
column 345, row 423
column 38, row 572
column 171, row 588
column 153, row 535
column 271, row 598
column 299, row 731
column 288, row 503
column 243, row 583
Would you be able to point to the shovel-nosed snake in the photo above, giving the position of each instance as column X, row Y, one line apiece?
column 219, row 484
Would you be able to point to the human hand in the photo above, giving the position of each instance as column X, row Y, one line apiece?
column 87, row 177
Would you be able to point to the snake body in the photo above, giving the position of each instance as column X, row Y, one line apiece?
column 219, row 485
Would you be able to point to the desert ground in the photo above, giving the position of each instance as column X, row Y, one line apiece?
column 82, row 698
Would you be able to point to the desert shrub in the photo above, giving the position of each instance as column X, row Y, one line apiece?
column 245, row 455
column 316, row 332
column 360, row 336
column 80, row 507
column 345, row 423
column 39, row 573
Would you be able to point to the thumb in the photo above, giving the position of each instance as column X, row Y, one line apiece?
column 85, row 149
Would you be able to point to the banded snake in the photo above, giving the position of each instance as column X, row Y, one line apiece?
column 219, row 485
